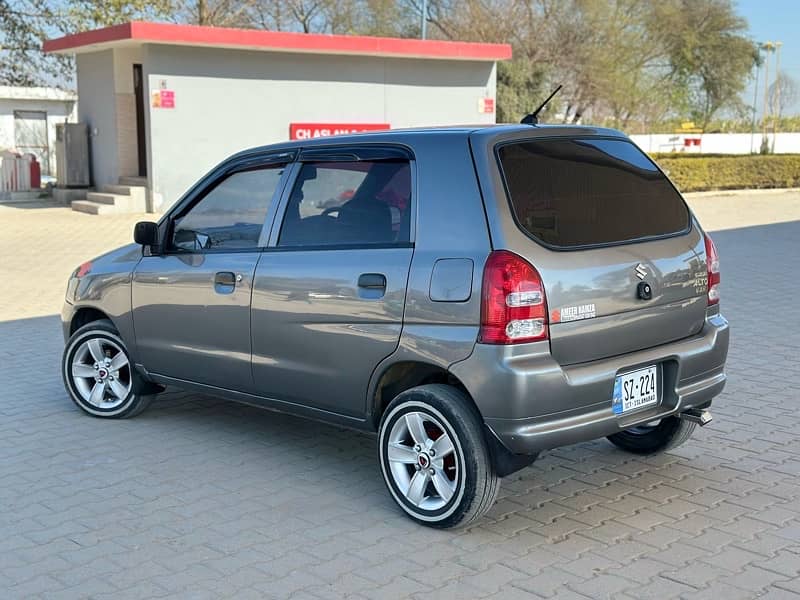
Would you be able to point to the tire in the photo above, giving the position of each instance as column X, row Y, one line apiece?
column 669, row 433
column 109, row 388
column 453, row 489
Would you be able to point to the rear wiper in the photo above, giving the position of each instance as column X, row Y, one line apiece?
column 533, row 118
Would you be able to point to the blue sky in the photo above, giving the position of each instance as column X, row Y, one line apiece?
column 775, row 20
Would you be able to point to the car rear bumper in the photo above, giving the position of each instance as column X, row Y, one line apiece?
column 531, row 403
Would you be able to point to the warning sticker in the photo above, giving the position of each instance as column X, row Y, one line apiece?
column 164, row 99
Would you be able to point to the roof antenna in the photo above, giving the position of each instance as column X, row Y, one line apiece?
column 533, row 118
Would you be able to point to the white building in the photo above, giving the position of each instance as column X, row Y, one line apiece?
column 28, row 117
column 167, row 102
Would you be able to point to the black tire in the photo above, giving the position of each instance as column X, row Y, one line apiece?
column 473, row 477
column 670, row 433
column 140, row 393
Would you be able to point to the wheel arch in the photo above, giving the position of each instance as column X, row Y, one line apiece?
column 87, row 314
column 84, row 315
column 406, row 374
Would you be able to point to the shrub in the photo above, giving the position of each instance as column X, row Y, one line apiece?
column 698, row 172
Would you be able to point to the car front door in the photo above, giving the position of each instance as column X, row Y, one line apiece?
column 329, row 292
column 191, row 301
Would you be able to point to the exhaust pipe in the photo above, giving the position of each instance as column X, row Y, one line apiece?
column 696, row 415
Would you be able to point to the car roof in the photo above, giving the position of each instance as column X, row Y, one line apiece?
column 408, row 136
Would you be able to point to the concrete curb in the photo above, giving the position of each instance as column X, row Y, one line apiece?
column 750, row 192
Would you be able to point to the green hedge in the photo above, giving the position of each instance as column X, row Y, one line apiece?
column 698, row 172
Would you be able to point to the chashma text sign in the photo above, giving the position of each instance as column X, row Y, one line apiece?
column 307, row 131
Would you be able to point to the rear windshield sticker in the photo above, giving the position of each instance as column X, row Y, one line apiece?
column 573, row 313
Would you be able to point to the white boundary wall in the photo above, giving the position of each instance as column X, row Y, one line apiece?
column 717, row 143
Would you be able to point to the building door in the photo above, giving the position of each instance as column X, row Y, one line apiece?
column 141, row 140
column 30, row 136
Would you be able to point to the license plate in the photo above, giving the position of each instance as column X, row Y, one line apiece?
column 634, row 390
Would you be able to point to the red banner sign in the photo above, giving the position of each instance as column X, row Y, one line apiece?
column 486, row 105
column 307, row 131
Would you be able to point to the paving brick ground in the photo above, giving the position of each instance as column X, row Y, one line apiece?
column 197, row 498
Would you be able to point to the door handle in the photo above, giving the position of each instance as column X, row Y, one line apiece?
column 225, row 278
column 372, row 281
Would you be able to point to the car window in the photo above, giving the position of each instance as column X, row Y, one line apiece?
column 231, row 215
column 349, row 203
column 584, row 192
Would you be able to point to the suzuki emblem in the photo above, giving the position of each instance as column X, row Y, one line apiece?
column 641, row 271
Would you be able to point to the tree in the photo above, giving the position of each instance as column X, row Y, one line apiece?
column 709, row 52
column 519, row 89
column 22, row 27
column 628, row 63
column 219, row 13
column 292, row 15
column 88, row 14
column 782, row 94
column 520, row 82
column 361, row 17
column 25, row 24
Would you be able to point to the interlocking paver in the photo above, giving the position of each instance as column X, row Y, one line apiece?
column 660, row 588
column 549, row 582
column 718, row 590
column 603, row 586
column 199, row 498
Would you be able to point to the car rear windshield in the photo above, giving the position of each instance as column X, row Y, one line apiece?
column 572, row 193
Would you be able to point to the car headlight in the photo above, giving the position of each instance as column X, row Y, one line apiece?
column 75, row 278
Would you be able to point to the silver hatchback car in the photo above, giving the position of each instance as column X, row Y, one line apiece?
column 473, row 295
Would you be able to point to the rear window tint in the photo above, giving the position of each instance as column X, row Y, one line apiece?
column 587, row 192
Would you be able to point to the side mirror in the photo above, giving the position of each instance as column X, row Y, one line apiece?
column 145, row 233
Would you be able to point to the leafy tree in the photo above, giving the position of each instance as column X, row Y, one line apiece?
column 709, row 52
column 520, row 82
column 519, row 89
column 22, row 27
column 633, row 64
column 87, row 14
column 25, row 24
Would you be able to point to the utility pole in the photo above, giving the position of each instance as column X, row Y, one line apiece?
column 424, row 24
column 755, row 105
column 777, row 108
column 768, row 47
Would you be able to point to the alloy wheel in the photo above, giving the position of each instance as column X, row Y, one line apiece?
column 422, row 460
column 101, row 373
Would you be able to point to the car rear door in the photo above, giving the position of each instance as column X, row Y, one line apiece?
column 329, row 292
column 622, row 262
column 191, row 301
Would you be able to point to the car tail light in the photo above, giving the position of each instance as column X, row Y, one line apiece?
column 712, row 260
column 513, row 303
